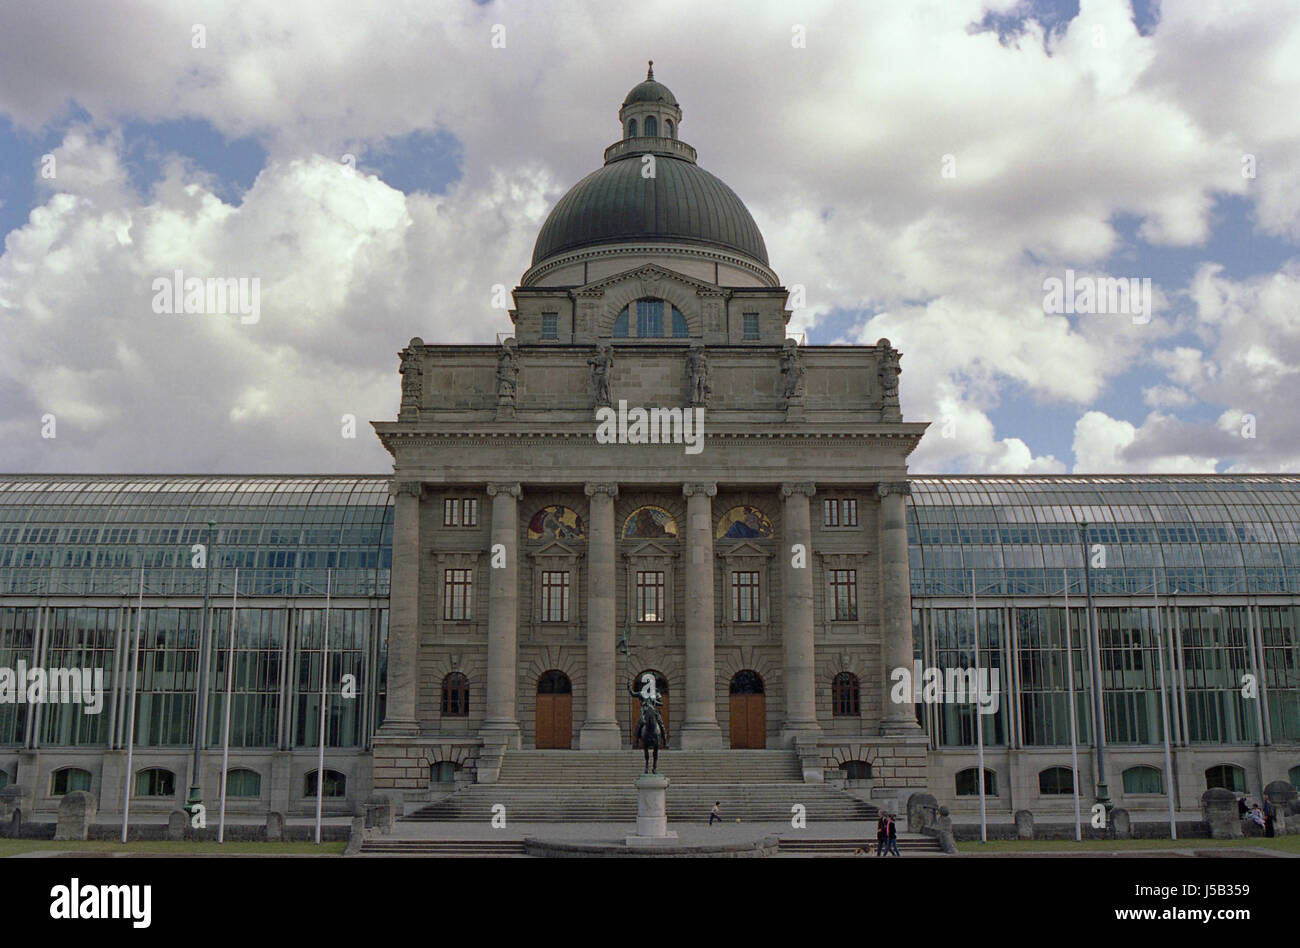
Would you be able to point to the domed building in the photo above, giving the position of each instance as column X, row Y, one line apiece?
column 649, row 482
column 647, row 493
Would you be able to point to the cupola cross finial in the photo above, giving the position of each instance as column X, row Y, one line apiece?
column 650, row 73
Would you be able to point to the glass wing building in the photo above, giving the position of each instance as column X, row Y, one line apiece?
column 93, row 565
column 1194, row 583
column 1194, row 580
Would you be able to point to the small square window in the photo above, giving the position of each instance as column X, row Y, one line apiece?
column 750, row 324
column 550, row 325
column 839, row 512
column 460, row 512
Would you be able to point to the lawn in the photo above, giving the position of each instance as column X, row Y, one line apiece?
column 1287, row 844
column 103, row 847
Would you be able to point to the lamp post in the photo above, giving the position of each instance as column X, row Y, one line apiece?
column 1094, row 658
column 195, row 798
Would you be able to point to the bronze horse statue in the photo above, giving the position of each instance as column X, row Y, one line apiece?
column 650, row 731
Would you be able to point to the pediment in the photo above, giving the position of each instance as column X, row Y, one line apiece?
column 651, row 278
column 556, row 548
column 745, row 548
column 649, row 548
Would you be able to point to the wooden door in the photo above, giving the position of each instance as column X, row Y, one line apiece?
column 553, row 720
column 748, row 722
column 748, row 708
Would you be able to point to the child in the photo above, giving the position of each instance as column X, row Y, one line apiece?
column 716, row 814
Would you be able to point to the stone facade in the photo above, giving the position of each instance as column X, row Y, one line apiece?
column 455, row 453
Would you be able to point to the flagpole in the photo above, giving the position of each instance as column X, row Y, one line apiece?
column 1098, row 698
column 230, row 693
column 324, row 677
column 1074, row 728
column 979, row 711
column 1164, row 712
column 130, row 720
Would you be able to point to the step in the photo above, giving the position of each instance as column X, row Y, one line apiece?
column 755, row 803
column 459, row 847
column 621, row 767
column 912, row 843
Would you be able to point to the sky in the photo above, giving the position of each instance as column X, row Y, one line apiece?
column 923, row 171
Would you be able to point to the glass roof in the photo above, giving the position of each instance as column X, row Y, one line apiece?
column 92, row 535
column 1021, row 535
column 1198, row 533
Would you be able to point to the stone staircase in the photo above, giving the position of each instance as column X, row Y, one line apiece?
column 444, row 848
column 597, row 787
column 909, row 843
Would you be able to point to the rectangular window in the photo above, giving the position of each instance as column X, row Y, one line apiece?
column 650, row 596
column 749, row 322
column 839, row 512
column 844, row 594
column 649, row 319
column 555, row 597
column 744, row 597
column 344, row 660
column 456, row 589
column 460, row 512
column 550, row 325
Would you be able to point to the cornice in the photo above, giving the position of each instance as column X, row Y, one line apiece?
column 534, row 273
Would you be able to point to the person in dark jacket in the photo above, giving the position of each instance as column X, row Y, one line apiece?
column 891, row 838
column 882, row 833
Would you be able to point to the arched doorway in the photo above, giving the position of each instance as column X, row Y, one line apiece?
column 634, row 703
column 748, row 711
column 554, row 717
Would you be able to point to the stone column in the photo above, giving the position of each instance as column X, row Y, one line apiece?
column 701, row 727
column 600, row 729
column 797, row 615
column 896, row 604
column 500, row 721
column 404, row 612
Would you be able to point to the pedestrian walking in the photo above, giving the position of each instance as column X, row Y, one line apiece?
column 882, row 833
column 891, row 837
column 716, row 813
column 1268, row 818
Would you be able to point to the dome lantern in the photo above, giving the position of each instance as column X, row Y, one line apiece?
column 650, row 110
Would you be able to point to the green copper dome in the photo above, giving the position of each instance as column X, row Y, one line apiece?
column 619, row 203
column 681, row 203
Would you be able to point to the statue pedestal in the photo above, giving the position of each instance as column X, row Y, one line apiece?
column 651, row 811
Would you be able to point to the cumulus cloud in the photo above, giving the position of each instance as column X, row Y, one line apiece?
column 348, row 269
column 838, row 148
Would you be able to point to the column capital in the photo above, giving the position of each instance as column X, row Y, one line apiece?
column 901, row 488
column 790, row 488
column 406, row 489
column 707, row 490
column 513, row 489
column 592, row 488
